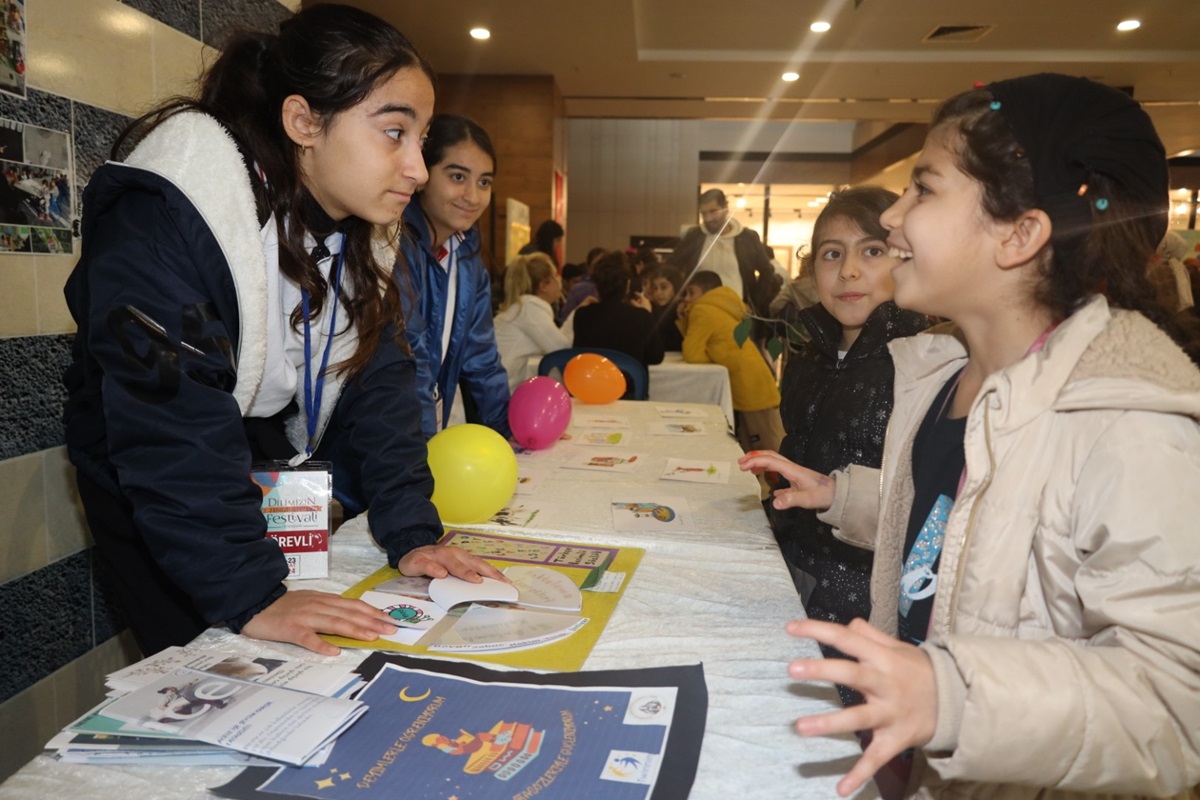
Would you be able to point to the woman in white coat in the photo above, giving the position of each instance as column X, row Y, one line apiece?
column 525, row 325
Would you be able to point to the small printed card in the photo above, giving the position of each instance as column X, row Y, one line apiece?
column 604, row 438
column 676, row 428
column 651, row 514
column 516, row 516
column 528, row 479
column 600, row 421
column 413, row 617
column 682, row 469
column 605, row 461
column 679, row 411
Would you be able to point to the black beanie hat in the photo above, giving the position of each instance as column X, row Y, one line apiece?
column 1070, row 126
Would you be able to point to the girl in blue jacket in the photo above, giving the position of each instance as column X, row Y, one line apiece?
column 230, row 308
column 450, row 314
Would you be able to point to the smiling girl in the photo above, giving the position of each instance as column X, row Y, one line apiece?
column 837, row 390
column 1034, row 628
column 450, row 327
column 230, row 309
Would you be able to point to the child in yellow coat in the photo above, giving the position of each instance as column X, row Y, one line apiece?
column 708, row 314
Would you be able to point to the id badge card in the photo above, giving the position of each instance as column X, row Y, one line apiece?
column 295, row 502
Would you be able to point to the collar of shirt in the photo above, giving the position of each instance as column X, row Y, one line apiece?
column 451, row 246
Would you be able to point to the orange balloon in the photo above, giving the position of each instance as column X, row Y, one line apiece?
column 594, row 379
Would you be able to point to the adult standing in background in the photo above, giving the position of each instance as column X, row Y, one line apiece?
column 449, row 308
column 724, row 246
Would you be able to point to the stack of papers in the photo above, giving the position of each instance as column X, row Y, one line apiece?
column 201, row 708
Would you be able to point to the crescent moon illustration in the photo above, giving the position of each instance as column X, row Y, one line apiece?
column 406, row 698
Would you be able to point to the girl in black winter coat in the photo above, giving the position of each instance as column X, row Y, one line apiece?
column 837, row 390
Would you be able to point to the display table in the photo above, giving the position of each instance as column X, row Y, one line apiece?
column 676, row 381
column 719, row 594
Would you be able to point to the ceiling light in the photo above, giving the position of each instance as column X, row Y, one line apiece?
column 1129, row 25
column 819, row 27
column 791, row 76
column 1182, row 208
column 741, row 202
column 480, row 33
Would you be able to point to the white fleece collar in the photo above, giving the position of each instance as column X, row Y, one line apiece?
column 196, row 153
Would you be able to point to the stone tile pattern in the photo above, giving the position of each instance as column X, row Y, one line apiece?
column 94, row 132
column 221, row 18
column 69, row 620
column 182, row 15
column 32, row 393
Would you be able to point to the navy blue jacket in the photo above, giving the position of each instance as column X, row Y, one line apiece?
column 471, row 356
column 157, row 416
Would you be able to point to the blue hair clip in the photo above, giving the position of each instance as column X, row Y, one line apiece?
column 1101, row 203
column 995, row 105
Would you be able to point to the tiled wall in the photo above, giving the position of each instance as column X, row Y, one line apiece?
column 90, row 65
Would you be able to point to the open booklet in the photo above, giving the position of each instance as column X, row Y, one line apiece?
column 268, row 721
column 447, row 729
column 326, row 679
column 97, row 737
column 560, row 597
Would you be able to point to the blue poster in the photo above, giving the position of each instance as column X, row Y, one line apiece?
column 433, row 735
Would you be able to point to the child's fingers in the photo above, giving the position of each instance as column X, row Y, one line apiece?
column 849, row 640
column 863, row 770
column 830, row 670
column 847, row 720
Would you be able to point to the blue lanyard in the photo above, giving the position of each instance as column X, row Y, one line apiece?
column 312, row 396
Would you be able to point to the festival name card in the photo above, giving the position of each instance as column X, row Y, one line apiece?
column 296, row 506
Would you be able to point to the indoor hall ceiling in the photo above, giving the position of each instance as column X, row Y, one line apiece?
column 716, row 59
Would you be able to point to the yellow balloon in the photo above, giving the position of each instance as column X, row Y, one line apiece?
column 474, row 473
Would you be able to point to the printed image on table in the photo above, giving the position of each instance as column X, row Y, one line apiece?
column 431, row 735
column 651, row 514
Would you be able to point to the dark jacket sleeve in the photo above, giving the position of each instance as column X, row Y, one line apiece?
column 375, row 442
column 654, row 348
column 760, row 284
column 482, row 374
column 687, row 252
column 147, row 282
column 409, row 275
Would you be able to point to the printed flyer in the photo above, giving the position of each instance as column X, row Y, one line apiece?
column 442, row 730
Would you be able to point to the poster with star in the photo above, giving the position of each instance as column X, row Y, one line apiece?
column 463, row 732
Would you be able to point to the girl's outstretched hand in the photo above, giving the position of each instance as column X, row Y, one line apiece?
column 299, row 615
column 895, row 679
column 807, row 488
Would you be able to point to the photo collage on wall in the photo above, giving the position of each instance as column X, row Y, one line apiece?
column 36, row 196
column 12, row 47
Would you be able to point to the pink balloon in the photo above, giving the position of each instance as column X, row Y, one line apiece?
column 539, row 412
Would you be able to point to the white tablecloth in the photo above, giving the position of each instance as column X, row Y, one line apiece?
column 719, row 595
column 676, row 381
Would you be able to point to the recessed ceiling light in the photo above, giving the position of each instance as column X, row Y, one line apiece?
column 480, row 33
column 1129, row 25
column 741, row 202
column 791, row 76
column 819, row 27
